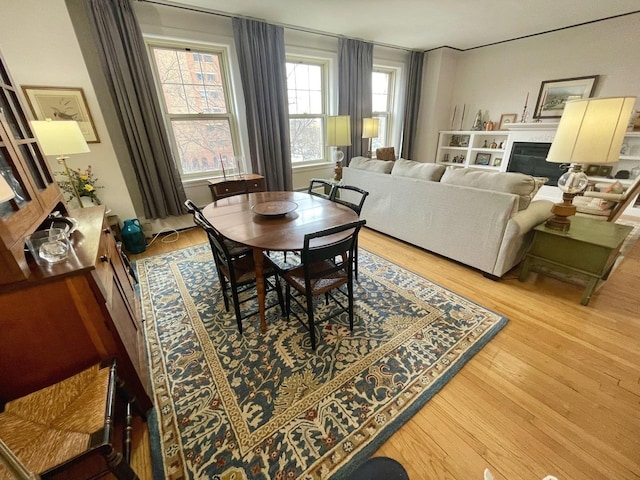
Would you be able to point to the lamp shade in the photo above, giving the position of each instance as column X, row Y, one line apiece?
column 591, row 130
column 339, row 130
column 6, row 192
column 60, row 137
column 370, row 127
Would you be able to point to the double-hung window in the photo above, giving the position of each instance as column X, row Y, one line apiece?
column 306, row 87
column 195, row 94
column 383, row 83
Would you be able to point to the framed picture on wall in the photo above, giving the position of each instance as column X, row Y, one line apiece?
column 62, row 103
column 506, row 119
column 555, row 93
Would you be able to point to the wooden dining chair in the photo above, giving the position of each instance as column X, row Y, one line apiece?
column 237, row 274
column 326, row 266
column 235, row 248
column 352, row 197
column 326, row 187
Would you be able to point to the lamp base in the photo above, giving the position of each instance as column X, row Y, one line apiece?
column 561, row 213
column 337, row 171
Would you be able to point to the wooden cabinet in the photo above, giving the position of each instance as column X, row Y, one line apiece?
column 229, row 186
column 25, row 168
column 70, row 315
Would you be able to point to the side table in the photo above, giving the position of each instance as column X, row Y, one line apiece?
column 589, row 249
column 236, row 185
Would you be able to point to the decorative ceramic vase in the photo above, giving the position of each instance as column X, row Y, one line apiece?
column 133, row 236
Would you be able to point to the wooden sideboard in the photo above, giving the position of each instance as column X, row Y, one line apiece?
column 229, row 186
column 68, row 316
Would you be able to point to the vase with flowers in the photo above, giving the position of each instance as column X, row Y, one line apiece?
column 82, row 182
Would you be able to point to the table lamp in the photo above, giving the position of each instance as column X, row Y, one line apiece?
column 338, row 135
column 370, row 131
column 60, row 138
column 590, row 131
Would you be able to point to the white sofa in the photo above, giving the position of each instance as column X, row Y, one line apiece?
column 479, row 218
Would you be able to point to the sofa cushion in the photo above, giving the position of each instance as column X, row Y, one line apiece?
column 372, row 165
column 507, row 182
column 424, row 171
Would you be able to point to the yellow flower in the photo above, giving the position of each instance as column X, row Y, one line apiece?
column 84, row 177
column 88, row 187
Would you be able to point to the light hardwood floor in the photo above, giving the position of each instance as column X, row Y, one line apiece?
column 556, row 392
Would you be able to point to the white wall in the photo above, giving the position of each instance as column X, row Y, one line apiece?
column 39, row 45
column 497, row 79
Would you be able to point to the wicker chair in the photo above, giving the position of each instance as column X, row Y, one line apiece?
column 66, row 430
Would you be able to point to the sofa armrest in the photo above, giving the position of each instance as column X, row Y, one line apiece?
column 537, row 212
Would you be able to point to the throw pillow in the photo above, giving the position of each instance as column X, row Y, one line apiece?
column 385, row 153
column 364, row 163
column 615, row 187
column 538, row 183
column 507, row 182
column 424, row 171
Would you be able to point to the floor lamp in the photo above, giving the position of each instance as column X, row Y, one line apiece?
column 338, row 135
column 370, row 130
column 61, row 137
column 590, row 131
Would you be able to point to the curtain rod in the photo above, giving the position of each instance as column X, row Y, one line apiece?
column 169, row 3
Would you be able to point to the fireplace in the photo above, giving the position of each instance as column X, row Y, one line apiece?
column 530, row 158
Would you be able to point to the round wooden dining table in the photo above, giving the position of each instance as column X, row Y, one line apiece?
column 274, row 221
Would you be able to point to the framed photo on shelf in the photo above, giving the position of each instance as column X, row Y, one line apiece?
column 605, row 170
column 555, row 93
column 497, row 162
column 592, row 170
column 483, row 158
column 62, row 103
column 506, row 119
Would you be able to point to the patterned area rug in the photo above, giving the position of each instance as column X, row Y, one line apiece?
column 268, row 407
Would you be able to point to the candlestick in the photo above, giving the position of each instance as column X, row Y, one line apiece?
column 526, row 100
column 464, row 106
column 453, row 118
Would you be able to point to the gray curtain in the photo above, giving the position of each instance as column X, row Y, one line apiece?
column 355, row 66
column 128, row 72
column 261, row 56
column 412, row 105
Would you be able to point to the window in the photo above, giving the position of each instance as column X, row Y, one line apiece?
column 195, row 93
column 306, row 87
column 382, row 82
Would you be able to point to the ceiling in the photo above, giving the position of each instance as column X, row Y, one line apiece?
column 421, row 24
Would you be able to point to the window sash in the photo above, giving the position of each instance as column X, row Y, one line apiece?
column 203, row 75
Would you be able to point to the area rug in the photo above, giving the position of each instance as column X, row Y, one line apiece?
column 265, row 406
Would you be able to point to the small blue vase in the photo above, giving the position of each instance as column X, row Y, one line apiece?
column 133, row 236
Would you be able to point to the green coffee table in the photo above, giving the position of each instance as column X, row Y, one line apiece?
column 588, row 249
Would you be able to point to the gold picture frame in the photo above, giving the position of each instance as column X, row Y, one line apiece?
column 62, row 103
column 507, row 119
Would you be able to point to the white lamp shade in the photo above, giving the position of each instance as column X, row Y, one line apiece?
column 370, row 127
column 59, row 137
column 591, row 131
column 339, row 130
column 6, row 192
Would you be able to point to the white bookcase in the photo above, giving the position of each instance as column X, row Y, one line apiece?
column 473, row 149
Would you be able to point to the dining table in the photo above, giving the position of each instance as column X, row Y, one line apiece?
column 274, row 221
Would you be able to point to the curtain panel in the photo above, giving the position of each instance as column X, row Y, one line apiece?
column 262, row 61
column 412, row 105
column 128, row 71
column 355, row 67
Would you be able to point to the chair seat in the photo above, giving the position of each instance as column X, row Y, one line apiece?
column 295, row 277
column 59, row 423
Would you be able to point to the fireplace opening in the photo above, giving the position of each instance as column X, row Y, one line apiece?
column 531, row 158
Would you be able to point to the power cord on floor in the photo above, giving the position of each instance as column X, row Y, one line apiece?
column 173, row 236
